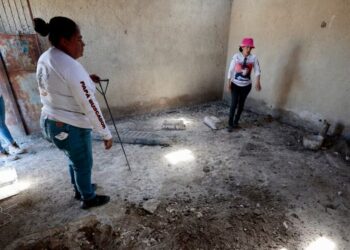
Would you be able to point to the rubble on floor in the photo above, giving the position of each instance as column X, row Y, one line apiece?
column 254, row 188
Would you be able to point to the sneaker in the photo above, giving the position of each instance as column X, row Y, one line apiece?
column 229, row 129
column 77, row 195
column 16, row 150
column 99, row 200
column 7, row 157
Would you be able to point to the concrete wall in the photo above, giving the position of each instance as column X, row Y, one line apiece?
column 303, row 48
column 156, row 53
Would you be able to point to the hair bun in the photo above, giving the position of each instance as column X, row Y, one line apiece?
column 41, row 26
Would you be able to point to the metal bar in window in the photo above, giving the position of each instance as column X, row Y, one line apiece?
column 25, row 16
column 13, row 17
column 19, row 18
column 7, row 18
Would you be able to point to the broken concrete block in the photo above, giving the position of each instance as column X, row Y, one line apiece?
column 313, row 142
column 174, row 125
column 139, row 137
column 213, row 122
column 8, row 182
column 151, row 205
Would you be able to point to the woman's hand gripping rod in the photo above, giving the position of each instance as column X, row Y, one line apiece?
column 103, row 92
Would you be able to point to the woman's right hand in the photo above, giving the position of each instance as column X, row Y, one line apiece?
column 229, row 86
column 108, row 143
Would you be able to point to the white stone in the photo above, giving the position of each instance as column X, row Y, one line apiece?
column 8, row 182
column 313, row 142
column 213, row 122
column 174, row 125
column 151, row 205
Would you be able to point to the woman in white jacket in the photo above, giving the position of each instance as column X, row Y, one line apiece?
column 70, row 110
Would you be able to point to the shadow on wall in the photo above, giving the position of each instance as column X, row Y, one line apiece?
column 287, row 78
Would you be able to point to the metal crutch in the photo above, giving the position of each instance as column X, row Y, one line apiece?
column 103, row 92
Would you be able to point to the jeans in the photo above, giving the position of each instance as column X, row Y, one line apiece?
column 238, row 97
column 4, row 131
column 76, row 143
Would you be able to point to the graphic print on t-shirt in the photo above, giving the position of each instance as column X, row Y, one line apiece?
column 243, row 70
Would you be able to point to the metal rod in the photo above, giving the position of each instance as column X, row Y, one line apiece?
column 103, row 93
column 19, row 16
column 13, row 17
column 2, row 24
column 24, row 14
column 36, row 35
column 8, row 22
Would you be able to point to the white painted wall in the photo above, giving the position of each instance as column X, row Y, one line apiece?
column 305, row 67
column 156, row 53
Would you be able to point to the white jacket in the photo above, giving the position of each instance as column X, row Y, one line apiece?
column 67, row 92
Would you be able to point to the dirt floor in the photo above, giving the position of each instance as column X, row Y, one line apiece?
column 255, row 188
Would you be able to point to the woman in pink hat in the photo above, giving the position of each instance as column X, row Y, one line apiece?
column 239, row 79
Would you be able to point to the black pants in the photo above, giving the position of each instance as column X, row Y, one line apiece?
column 238, row 97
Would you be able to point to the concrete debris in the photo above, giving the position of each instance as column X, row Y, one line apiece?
column 151, row 205
column 199, row 215
column 139, row 137
column 206, row 169
column 325, row 128
column 8, row 182
column 313, row 142
column 173, row 125
column 170, row 210
column 213, row 122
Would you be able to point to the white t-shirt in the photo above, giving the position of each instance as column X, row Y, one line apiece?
column 67, row 92
column 241, row 68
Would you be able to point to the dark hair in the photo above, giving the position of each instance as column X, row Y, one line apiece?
column 57, row 28
column 240, row 49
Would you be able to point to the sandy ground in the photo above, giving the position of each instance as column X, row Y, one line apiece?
column 255, row 188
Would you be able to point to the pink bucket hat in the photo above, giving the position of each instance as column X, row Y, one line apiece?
column 247, row 41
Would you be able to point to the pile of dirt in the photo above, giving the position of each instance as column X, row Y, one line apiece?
column 251, row 219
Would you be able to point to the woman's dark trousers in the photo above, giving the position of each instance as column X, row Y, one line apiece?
column 238, row 97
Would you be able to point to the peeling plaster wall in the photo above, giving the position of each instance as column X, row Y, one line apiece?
column 303, row 48
column 156, row 53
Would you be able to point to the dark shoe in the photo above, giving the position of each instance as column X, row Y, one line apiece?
column 77, row 195
column 229, row 129
column 99, row 200
column 6, row 157
column 236, row 126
